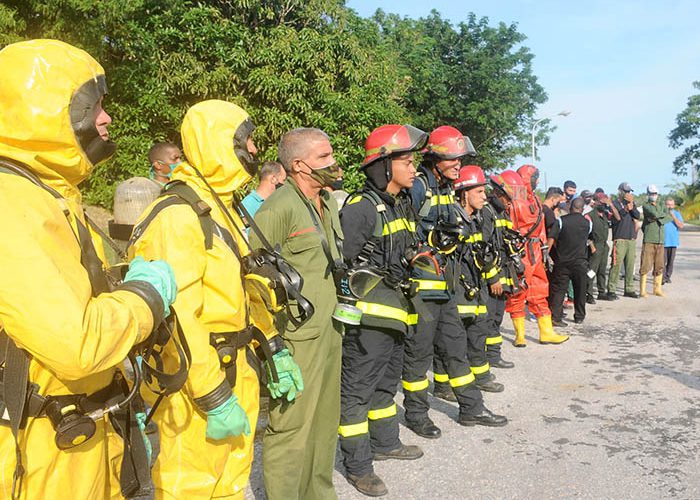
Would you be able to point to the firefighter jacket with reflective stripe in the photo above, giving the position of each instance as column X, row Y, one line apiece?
column 434, row 202
column 470, row 300
column 495, row 221
column 383, row 230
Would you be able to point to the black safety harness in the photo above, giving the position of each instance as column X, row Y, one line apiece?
column 73, row 416
column 226, row 344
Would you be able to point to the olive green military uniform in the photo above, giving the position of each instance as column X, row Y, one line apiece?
column 655, row 216
column 300, row 440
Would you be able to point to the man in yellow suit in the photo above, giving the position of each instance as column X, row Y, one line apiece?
column 206, row 429
column 62, row 328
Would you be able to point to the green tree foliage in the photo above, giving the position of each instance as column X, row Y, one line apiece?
column 289, row 63
column 686, row 134
column 473, row 76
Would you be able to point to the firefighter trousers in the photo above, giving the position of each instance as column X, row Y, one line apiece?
column 477, row 329
column 372, row 360
column 494, row 341
column 443, row 334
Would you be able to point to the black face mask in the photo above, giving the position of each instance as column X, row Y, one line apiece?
column 337, row 185
column 279, row 185
column 240, row 147
column 82, row 110
column 569, row 196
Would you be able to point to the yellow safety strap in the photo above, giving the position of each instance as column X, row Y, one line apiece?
column 430, row 284
column 382, row 311
column 478, row 370
column 442, row 199
column 441, row 377
column 494, row 340
column 476, row 310
column 472, row 238
column 421, row 385
column 353, row 429
column 387, row 412
column 463, row 380
column 398, row 225
column 504, row 223
column 354, row 199
column 506, row 281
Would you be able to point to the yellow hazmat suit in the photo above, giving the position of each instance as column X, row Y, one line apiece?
column 75, row 340
column 210, row 298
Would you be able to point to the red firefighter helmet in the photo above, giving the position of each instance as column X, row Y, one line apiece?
column 510, row 183
column 392, row 139
column 469, row 176
column 530, row 175
column 448, row 143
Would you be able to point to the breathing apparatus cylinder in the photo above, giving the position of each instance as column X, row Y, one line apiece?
column 131, row 198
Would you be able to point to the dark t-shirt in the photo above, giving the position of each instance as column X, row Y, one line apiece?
column 624, row 228
column 550, row 222
column 573, row 238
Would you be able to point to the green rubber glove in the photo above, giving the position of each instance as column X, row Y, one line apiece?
column 141, row 420
column 290, row 380
column 228, row 419
column 159, row 274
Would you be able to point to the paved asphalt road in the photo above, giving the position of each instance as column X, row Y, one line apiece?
column 612, row 413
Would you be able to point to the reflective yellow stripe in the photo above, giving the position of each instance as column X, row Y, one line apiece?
column 478, row 370
column 504, row 223
column 465, row 309
column 421, row 385
column 443, row 199
column 382, row 311
column 494, row 340
column 506, row 281
column 491, row 273
column 431, row 284
column 472, row 238
column 387, row 412
column 398, row 225
column 353, row 429
column 354, row 199
column 441, row 377
column 463, row 380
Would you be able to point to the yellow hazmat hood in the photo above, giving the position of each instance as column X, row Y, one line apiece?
column 208, row 131
column 39, row 80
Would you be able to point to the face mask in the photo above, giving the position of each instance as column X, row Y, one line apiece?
column 279, row 185
column 326, row 175
column 569, row 196
column 653, row 197
column 337, row 185
column 172, row 167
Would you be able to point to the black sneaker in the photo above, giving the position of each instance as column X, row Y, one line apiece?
column 632, row 295
column 613, row 296
column 560, row 323
column 590, row 300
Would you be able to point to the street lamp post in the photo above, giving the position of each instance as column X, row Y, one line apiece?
column 534, row 129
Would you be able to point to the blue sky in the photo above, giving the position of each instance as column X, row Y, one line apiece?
column 624, row 69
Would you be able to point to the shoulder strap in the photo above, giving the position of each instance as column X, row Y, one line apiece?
column 380, row 207
column 427, row 201
column 179, row 193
